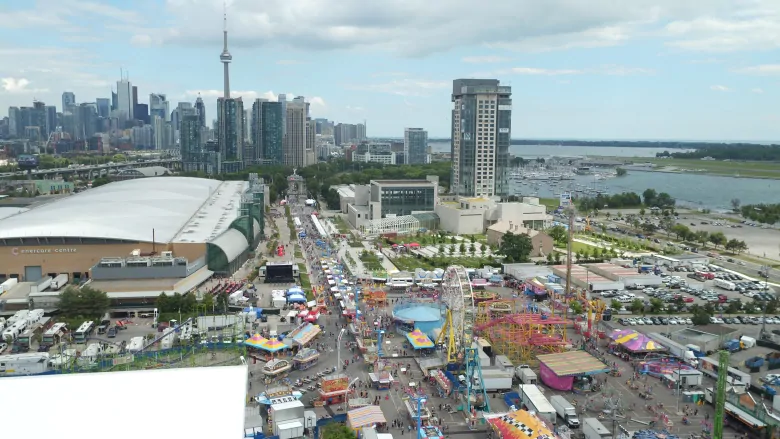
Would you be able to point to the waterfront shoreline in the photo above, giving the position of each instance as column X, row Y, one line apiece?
column 703, row 172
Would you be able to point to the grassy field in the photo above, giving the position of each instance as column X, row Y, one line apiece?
column 550, row 203
column 716, row 167
column 410, row 263
column 340, row 224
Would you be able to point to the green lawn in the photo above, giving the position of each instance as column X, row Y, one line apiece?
column 717, row 167
column 340, row 224
column 410, row 263
column 550, row 203
column 371, row 261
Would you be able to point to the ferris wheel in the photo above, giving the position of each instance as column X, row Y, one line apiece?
column 458, row 299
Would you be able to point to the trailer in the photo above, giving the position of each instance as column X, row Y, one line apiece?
column 24, row 364
column 592, row 428
column 726, row 285
column 135, row 345
column 682, row 352
column 526, row 375
column 533, row 399
column 565, row 410
column 736, row 378
column 495, row 380
column 8, row 284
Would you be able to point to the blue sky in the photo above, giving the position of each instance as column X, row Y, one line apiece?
column 596, row 69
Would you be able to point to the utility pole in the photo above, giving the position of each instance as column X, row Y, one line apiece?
column 570, row 240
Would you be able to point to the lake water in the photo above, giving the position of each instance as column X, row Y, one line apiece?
column 691, row 190
column 534, row 151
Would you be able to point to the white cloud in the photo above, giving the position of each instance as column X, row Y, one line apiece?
column 18, row 86
column 414, row 28
column 484, row 59
column 404, row 87
column 612, row 70
column 757, row 90
column 288, row 62
column 764, row 69
column 719, row 88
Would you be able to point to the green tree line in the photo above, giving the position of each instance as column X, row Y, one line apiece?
column 762, row 213
column 730, row 151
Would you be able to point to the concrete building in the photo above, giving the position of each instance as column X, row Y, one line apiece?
column 481, row 133
column 208, row 222
column 124, row 96
column 295, row 134
column 68, row 99
column 468, row 216
column 132, row 174
column 415, row 146
column 542, row 243
column 383, row 157
column 390, row 199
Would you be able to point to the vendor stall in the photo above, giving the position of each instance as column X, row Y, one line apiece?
column 304, row 334
column 381, row 380
column 443, row 384
column 276, row 367
column 369, row 416
column 333, row 389
column 305, row 358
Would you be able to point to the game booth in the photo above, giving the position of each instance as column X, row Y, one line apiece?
column 305, row 358
column 333, row 389
column 629, row 344
column 443, row 384
column 418, row 340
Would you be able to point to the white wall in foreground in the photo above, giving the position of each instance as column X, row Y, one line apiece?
column 192, row 403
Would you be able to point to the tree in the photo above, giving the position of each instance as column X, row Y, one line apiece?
column 642, row 212
column 734, row 307
column 516, row 247
column 656, row 305
column 550, row 258
column 472, row 239
column 701, row 317
column 558, row 234
column 649, row 196
column 578, row 255
column 336, row 430
column 85, row 302
column 558, row 258
column 681, row 231
column 648, row 228
column 208, row 302
column 453, row 241
column 462, row 248
column 702, row 236
column 717, row 239
column 100, row 181
column 576, row 307
column 441, row 249
column 637, row 306
column 586, row 254
column 472, row 249
column 616, row 305
column 735, row 204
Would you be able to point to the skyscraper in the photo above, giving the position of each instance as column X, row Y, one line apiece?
column 158, row 106
column 190, row 142
column 271, row 133
column 68, row 99
column 415, row 146
column 14, row 123
column 230, row 130
column 103, row 107
column 481, row 132
column 124, row 98
column 295, row 137
column 201, row 109
column 282, row 98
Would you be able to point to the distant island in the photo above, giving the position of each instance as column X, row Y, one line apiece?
column 628, row 143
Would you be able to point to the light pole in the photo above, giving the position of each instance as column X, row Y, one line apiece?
column 420, row 400
column 338, row 348
column 346, row 395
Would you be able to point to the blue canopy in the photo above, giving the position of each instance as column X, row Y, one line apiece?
column 294, row 290
column 296, row 298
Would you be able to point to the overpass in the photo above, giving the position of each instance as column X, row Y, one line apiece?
column 93, row 171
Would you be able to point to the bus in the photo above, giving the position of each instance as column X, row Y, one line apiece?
column 84, row 332
column 54, row 334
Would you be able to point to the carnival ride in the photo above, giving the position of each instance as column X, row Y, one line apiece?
column 457, row 332
column 522, row 336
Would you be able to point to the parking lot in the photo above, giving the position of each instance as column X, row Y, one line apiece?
column 726, row 292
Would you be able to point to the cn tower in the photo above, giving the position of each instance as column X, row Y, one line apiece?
column 226, row 57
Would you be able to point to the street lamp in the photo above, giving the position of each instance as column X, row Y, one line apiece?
column 346, row 395
column 338, row 348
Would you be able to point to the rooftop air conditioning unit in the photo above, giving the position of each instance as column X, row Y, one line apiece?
column 136, row 252
column 166, row 254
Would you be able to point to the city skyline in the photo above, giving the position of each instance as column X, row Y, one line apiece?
column 648, row 70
